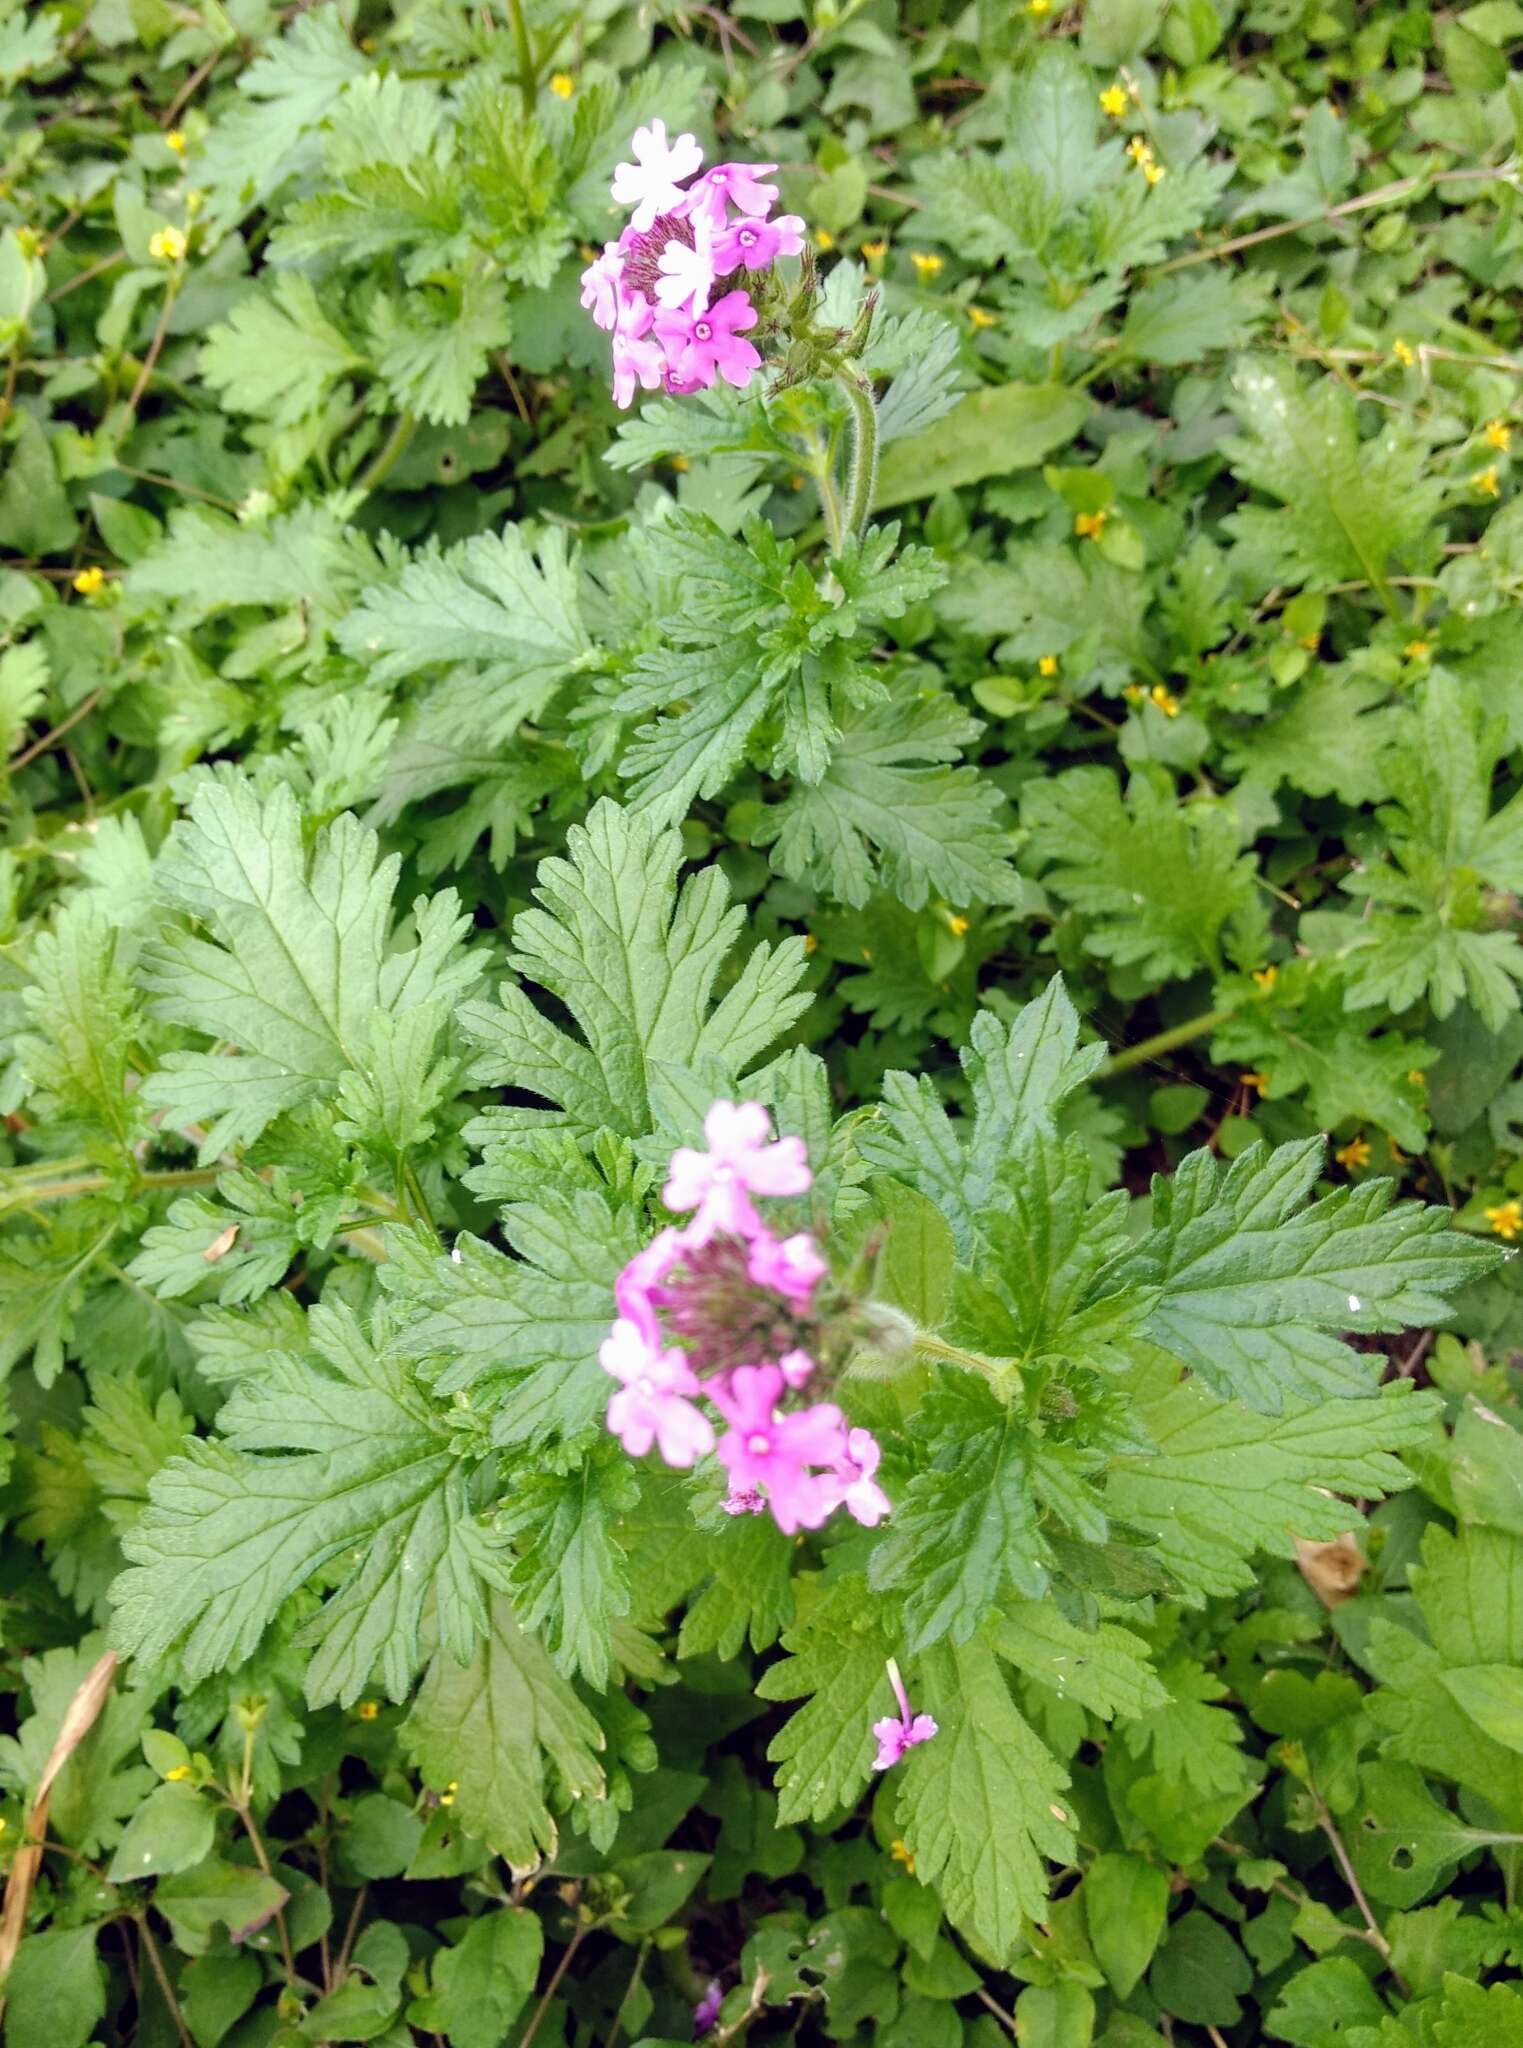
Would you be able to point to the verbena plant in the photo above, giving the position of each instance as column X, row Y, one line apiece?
column 504, row 899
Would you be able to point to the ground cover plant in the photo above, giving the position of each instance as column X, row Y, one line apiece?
column 759, row 1024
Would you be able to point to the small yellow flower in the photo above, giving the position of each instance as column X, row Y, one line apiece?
column 1134, row 693
column 1404, row 353
column 1114, row 101
column 179, row 1774
column 194, row 201
column 368, row 1709
column 1498, row 435
column 795, row 482
column 681, row 463
column 876, row 250
column 1039, row 7
column 1355, row 1153
column 175, row 140
column 167, row 245
column 1165, row 699
column 980, row 316
column 927, row 264
column 1417, row 1077
column 903, row 1853
column 447, row 1796
column 90, row 580
column 1488, row 483
column 1047, row 665
column 824, row 240
column 1154, row 173
column 1140, row 150
column 1506, row 1219
column 1418, row 650
column 811, row 943
column 1090, row 525
column 29, row 242
column 1311, row 641
column 1257, row 1082
column 957, row 926
column 562, row 84
column 1266, row 977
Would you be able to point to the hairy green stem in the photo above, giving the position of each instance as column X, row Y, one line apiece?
column 862, row 468
column 1163, row 1041
column 392, row 451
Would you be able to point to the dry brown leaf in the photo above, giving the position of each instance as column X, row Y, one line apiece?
column 1332, row 1570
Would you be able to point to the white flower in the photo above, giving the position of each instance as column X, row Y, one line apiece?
column 652, row 183
column 687, row 275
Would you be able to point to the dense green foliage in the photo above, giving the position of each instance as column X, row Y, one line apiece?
column 426, row 789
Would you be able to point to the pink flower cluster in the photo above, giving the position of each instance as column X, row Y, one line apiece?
column 898, row 1734
column 724, row 1271
column 653, row 288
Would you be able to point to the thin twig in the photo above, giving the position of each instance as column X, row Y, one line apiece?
column 1006, row 2020
column 81, row 710
column 161, row 329
column 156, row 1964
column 738, row 2026
column 554, row 1985
column 1329, row 1828
column 245, row 1814
column 341, row 1967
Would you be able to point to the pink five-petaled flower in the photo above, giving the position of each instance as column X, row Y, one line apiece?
column 740, row 184
column 856, row 1489
column 600, row 285
column 763, row 1448
column 651, row 1406
column 753, row 244
column 700, row 348
column 896, row 1736
column 652, row 184
column 741, row 1161
column 790, row 1267
column 645, row 1271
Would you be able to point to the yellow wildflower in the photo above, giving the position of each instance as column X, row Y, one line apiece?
column 903, row 1853
column 167, row 245
column 1498, row 435
column 1039, row 7
column 1311, row 641
column 981, row 316
column 1165, row 699
column 1417, row 1077
column 927, row 264
column 1487, row 483
column 1418, row 650
column 90, row 580
column 1114, row 101
column 368, row 1709
column 179, row 1774
column 1090, row 525
column 447, row 1796
column 1404, row 353
column 175, row 140
column 1047, row 665
column 957, row 926
column 1154, row 173
column 824, row 240
column 29, row 242
column 1257, row 1082
column 1266, row 977
column 811, row 943
column 1506, row 1219
column 1134, row 693
column 1355, row 1153
column 681, row 463
column 1140, row 150
column 876, row 250
column 562, row 84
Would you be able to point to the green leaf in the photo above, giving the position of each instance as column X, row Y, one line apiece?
column 215, row 1992
column 85, row 1008
column 1492, row 1695
column 1318, row 2005
column 635, row 961
column 1180, row 319
column 1225, row 1482
column 887, row 792
column 837, row 1651
column 279, row 356
column 229, row 1534
column 23, row 688
column 749, row 1598
column 299, row 959
column 1126, row 1905
column 55, row 1993
column 35, row 517
column 570, row 1579
column 1402, row 1842
column 104, row 1779
column 1106, row 1669
column 1200, row 1971
column 215, row 1894
column 509, row 607
column 1350, row 508
column 1156, row 881
column 1253, row 1284
column 980, row 1804
column 170, row 1831
column 494, row 1729
column 989, row 433
column 484, row 1981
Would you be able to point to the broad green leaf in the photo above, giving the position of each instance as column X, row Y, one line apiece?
column 1200, row 1971
column 981, row 1804
column 55, row 1992
column 837, row 1651
column 492, row 1730
column 277, row 356
column 749, row 1598
column 483, row 1982
column 636, row 961
column 988, row 433
column 1403, row 1843
column 1126, row 1904
column 86, row 1020
column 1492, row 1695
column 170, row 1831
column 217, row 1893
column 570, row 1578
column 1106, row 1669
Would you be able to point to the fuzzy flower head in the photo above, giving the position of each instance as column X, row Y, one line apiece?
column 742, row 1160
column 765, row 1448
column 652, row 1404
column 896, row 1736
